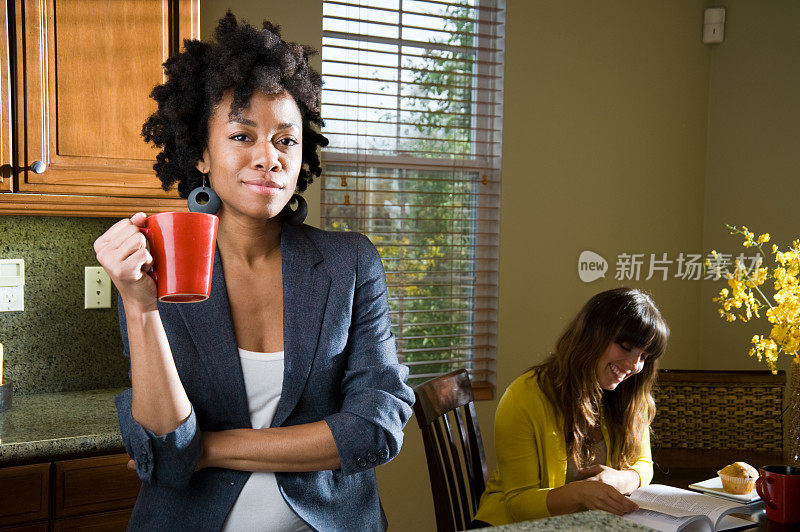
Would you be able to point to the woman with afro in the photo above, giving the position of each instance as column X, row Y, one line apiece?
column 268, row 405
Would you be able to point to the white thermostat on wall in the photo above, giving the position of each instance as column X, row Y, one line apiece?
column 12, row 272
column 713, row 25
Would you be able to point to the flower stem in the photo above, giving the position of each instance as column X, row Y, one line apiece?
column 762, row 252
column 756, row 287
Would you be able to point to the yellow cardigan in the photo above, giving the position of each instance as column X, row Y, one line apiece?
column 532, row 457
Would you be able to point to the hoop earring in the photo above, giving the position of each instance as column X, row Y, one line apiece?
column 204, row 199
column 298, row 215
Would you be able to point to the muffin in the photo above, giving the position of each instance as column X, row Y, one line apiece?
column 738, row 478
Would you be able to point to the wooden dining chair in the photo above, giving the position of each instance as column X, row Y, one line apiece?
column 706, row 420
column 453, row 448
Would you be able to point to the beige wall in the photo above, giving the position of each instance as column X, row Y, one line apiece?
column 604, row 149
column 753, row 155
column 608, row 147
column 753, row 152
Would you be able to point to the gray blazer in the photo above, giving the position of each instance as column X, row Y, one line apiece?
column 340, row 366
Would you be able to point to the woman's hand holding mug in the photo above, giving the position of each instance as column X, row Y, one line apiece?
column 122, row 252
column 179, row 246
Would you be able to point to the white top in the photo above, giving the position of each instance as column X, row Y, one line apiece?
column 260, row 506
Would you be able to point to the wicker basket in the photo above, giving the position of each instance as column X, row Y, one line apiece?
column 718, row 410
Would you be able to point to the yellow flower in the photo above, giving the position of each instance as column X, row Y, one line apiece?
column 744, row 292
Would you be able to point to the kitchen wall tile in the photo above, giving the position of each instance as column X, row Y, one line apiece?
column 55, row 344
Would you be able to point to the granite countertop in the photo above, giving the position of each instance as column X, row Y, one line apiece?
column 581, row 521
column 43, row 427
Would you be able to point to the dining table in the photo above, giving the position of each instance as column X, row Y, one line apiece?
column 596, row 520
column 592, row 520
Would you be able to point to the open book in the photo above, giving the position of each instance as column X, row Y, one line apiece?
column 671, row 509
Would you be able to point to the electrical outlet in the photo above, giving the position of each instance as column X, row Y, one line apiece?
column 11, row 298
column 12, row 285
column 97, row 288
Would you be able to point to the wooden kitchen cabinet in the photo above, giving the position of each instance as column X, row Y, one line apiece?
column 25, row 494
column 6, row 147
column 85, row 494
column 37, row 527
column 83, row 119
column 91, row 485
column 105, row 522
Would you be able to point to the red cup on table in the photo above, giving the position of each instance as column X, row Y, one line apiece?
column 779, row 488
column 182, row 246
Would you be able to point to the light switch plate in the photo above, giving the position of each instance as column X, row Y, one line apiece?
column 97, row 288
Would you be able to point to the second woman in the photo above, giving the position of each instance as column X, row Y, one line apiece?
column 573, row 433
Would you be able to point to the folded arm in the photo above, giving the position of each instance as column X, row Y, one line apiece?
column 306, row 447
column 376, row 403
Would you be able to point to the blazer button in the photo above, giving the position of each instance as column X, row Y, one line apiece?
column 361, row 462
column 372, row 457
column 384, row 454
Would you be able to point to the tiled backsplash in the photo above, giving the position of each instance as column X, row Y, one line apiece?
column 54, row 344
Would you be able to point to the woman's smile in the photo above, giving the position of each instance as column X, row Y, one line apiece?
column 617, row 372
column 619, row 362
column 264, row 187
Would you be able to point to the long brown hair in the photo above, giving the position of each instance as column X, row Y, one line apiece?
column 569, row 375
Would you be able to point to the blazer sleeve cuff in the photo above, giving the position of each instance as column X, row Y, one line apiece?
column 168, row 460
column 360, row 444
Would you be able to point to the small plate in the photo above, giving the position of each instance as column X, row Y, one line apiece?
column 713, row 486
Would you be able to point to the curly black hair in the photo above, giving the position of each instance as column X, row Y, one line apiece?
column 243, row 59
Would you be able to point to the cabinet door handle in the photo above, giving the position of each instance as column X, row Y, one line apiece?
column 6, row 170
column 38, row 167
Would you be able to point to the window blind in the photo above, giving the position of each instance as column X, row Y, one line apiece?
column 412, row 101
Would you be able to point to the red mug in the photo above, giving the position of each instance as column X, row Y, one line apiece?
column 779, row 488
column 182, row 246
